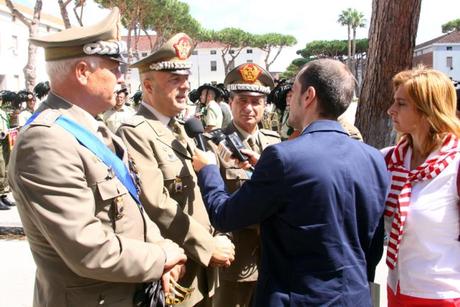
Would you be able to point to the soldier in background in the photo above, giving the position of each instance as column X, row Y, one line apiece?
column 26, row 113
column 119, row 113
column 211, row 113
column 279, row 97
column 249, row 85
column 222, row 100
column 41, row 91
column 5, row 203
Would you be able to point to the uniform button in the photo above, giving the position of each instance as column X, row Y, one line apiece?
column 102, row 300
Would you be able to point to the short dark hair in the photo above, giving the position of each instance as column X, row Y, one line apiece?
column 123, row 91
column 333, row 82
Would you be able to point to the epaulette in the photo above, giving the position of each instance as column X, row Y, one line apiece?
column 270, row 133
column 46, row 118
column 133, row 121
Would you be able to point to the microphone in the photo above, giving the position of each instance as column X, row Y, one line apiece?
column 194, row 129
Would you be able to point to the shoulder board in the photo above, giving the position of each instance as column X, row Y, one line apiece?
column 270, row 133
column 46, row 118
column 133, row 121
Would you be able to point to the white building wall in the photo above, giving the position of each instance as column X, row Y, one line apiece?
column 440, row 55
column 13, row 51
column 201, row 61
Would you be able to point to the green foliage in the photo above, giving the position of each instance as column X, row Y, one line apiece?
column 352, row 18
column 331, row 49
column 166, row 17
column 170, row 17
column 233, row 37
column 273, row 40
column 294, row 67
column 336, row 49
column 453, row 25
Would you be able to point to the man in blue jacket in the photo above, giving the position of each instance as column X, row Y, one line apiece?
column 318, row 199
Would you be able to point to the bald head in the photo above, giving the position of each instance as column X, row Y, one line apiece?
column 333, row 82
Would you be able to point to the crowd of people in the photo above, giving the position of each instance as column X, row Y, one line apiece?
column 283, row 204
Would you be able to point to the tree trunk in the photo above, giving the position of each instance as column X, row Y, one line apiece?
column 349, row 46
column 65, row 16
column 32, row 26
column 267, row 63
column 391, row 45
column 353, row 50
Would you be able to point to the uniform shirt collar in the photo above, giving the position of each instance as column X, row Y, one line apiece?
column 89, row 119
column 162, row 118
column 245, row 134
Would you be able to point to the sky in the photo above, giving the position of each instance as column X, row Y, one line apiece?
column 307, row 20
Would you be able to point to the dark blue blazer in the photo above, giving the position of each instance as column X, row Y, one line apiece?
column 318, row 199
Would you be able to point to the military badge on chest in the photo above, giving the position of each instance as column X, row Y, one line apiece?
column 178, row 185
column 169, row 153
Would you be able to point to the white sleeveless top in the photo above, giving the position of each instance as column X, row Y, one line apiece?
column 429, row 255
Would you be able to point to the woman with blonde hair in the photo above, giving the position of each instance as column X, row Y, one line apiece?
column 421, row 211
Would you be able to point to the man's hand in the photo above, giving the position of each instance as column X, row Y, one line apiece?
column 175, row 273
column 174, row 255
column 201, row 159
column 224, row 253
column 253, row 158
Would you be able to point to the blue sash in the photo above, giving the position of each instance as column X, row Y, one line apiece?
column 97, row 147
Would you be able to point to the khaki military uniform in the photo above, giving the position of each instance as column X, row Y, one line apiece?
column 352, row 131
column 91, row 242
column 4, row 151
column 172, row 198
column 237, row 282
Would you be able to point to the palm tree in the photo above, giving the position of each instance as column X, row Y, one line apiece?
column 346, row 19
column 357, row 21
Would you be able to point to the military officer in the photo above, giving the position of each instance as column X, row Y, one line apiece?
column 5, row 203
column 162, row 153
column 89, row 236
column 249, row 85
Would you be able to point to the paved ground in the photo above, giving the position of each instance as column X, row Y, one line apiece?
column 17, row 269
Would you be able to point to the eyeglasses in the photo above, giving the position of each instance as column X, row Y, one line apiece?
column 177, row 293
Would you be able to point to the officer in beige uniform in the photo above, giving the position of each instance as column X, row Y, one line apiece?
column 163, row 155
column 249, row 85
column 89, row 236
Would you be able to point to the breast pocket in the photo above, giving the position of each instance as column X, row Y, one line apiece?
column 111, row 208
column 100, row 294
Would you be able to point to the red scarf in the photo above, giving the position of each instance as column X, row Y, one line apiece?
column 402, row 180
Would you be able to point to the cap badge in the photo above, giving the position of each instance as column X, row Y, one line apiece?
column 250, row 73
column 182, row 48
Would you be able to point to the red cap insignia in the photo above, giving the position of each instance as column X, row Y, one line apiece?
column 183, row 47
column 250, row 73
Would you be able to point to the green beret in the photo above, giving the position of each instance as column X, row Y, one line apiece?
column 249, row 77
column 171, row 56
column 101, row 39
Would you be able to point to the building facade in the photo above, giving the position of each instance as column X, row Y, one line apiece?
column 14, row 42
column 441, row 53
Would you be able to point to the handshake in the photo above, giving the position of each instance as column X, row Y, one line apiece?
column 224, row 252
column 222, row 256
